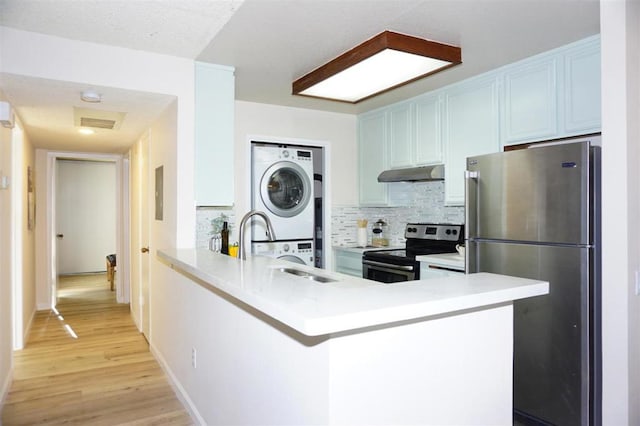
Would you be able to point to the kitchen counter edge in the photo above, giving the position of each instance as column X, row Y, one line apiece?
column 350, row 303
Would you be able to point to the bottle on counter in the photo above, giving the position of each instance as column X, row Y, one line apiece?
column 225, row 238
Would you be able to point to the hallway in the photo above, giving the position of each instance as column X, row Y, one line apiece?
column 88, row 364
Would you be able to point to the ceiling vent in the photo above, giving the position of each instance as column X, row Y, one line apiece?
column 97, row 122
column 98, row 119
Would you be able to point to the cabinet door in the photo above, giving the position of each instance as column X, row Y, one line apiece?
column 530, row 102
column 582, row 89
column 471, row 129
column 348, row 263
column 428, row 133
column 400, row 140
column 214, row 113
column 372, row 153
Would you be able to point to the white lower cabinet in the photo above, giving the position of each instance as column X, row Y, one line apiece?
column 348, row 262
column 471, row 128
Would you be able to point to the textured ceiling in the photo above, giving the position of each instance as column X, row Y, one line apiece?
column 172, row 27
column 273, row 42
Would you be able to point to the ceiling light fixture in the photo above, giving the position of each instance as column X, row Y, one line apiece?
column 86, row 131
column 382, row 63
column 91, row 96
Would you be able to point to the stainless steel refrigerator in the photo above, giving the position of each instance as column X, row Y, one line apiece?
column 535, row 213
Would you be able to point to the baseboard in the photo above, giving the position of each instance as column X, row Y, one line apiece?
column 27, row 329
column 43, row 306
column 180, row 392
column 4, row 391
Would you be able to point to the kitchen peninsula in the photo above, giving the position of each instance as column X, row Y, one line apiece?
column 280, row 348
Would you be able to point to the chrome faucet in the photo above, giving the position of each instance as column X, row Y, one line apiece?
column 270, row 234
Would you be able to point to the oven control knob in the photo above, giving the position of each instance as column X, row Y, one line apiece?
column 448, row 232
column 455, row 232
column 286, row 247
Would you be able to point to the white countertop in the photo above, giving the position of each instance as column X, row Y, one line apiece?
column 350, row 303
column 447, row 260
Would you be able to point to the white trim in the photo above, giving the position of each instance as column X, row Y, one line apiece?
column 27, row 329
column 17, row 236
column 122, row 284
column 326, row 184
column 6, row 386
column 178, row 389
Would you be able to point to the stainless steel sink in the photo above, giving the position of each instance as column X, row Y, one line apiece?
column 307, row 275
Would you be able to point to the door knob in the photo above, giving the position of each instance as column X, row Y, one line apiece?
column 60, row 235
column 144, row 249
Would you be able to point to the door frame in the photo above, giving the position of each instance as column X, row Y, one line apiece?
column 122, row 228
column 325, row 146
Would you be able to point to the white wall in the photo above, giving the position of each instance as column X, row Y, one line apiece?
column 86, row 214
column 58, row 59
column 6, row 316
column 28, row 261
column 620, row 32
column 338, row 130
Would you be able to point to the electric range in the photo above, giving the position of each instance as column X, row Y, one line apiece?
column 397, row 265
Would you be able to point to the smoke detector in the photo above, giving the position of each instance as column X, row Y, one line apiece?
column 91, row 96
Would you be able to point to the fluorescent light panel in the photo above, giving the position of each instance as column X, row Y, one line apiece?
column 386, row 61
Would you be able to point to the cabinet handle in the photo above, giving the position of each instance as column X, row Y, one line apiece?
column 144, row 250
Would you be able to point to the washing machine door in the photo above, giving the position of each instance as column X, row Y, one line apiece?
column 285, row 189
column 292, row 258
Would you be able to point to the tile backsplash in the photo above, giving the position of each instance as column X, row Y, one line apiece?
column 424, row 202
column 204, row 226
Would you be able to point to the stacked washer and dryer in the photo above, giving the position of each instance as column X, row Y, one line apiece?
column 282, row 187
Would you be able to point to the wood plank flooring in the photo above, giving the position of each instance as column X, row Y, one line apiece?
column 88, row 364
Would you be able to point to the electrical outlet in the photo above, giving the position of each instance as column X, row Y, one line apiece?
column 193, row 357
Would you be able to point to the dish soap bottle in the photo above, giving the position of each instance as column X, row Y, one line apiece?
column 225, row 238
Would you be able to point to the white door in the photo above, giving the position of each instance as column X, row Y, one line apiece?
column 145, row 222
column 140, row 234
column 85, row 215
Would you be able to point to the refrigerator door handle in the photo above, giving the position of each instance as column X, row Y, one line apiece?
column 470, row 214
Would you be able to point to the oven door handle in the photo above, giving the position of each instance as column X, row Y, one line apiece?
column 387, row 265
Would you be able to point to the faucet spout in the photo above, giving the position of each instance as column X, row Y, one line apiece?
column 270, row 233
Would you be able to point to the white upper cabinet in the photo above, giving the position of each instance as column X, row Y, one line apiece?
column 372, row 153
column 428, row 130
column 530, row 102
column 401, row 141
column 214, row 115
column 471, row 128
column 582, row 89
column 552, row 95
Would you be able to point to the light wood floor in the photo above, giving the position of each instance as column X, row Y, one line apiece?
column 104, row 376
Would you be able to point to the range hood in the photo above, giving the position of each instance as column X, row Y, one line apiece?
column 413, row 174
